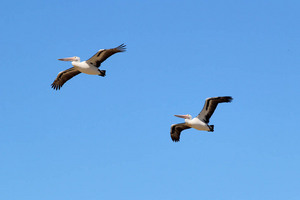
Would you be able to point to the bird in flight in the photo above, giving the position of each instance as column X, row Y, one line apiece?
column 201, row 121
column 90, row 66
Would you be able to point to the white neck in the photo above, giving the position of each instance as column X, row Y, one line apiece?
column 76, row 61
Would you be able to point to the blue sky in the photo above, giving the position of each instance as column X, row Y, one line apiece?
column 108, row 138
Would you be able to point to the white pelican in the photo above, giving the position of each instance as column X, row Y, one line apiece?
column 90, row 66
column 201, row 121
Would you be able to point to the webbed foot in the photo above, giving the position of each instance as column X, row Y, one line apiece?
column 102, row 73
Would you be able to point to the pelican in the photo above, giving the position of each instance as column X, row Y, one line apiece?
column 90, row 66
column 201, row 121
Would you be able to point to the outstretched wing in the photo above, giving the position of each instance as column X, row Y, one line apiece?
column 63, row 77
column 210, row 106
column 176, row 130
column 103, row 54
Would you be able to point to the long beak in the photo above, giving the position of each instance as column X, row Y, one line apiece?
column 67, row 59
column 182, row 116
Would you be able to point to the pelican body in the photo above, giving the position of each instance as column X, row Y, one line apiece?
column 84, row 67
column 195, row 123
column 90, row 66
column 201, row 121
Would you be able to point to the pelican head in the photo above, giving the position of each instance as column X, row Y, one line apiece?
column 74, row 58
column 187, row 116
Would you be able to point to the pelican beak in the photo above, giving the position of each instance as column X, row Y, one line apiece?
column 67, row 59
column 182, row 116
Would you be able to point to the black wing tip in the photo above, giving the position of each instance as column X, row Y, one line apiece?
column 228, row 98
column 122, row 47
column 55, row 87
column 174, row 137
column 221, row 98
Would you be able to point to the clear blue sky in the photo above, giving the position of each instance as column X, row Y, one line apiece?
column 108, row 138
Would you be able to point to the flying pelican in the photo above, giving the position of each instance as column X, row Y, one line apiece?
column 201, row 121
column 90, row 66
